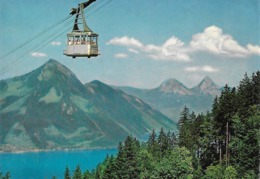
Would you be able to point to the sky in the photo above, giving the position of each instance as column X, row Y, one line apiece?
column 142, row 43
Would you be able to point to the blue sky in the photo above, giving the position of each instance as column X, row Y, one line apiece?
column 142, row 43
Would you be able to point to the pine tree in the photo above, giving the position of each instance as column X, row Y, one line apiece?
column 87, row 175
column 207, row 152
column 184, row 116
column 67, row 173
column 244, row 144
column 186, row 129
column 163, row 142
column 152, row 144
column 98, row 172
column 171, row 140
column 256, row 88
column 131, row 153
column 110, row 169
column 245, row 96
column 120, row 163
column 223, row 111
column 7, row 175
column 182, row 124
column 77, row 173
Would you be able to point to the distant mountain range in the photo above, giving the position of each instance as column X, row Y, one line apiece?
column 171, row 96
column 49, row 108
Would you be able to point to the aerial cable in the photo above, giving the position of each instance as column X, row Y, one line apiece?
column 44, row 31
column 35, row 47
column 21, row 58
column 94, row 5
column 34, row 37
column 99, row 8
column 38, row 45
column 41, row 33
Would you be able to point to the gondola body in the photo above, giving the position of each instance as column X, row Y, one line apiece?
column 82, row 44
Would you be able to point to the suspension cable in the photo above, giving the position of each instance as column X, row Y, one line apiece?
column 34, row 37
column 46, row 41
column 21, row 58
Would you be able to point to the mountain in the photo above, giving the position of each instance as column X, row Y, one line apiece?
column 174, row 86
column 49, row 108
column 207, row 86
column 171, row 96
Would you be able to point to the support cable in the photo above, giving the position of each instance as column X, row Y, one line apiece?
column 34, row 37
column 40, row 45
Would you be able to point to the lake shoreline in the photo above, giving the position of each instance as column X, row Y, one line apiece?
column 13, row 150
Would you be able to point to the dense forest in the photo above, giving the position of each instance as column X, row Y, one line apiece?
column 223, row 143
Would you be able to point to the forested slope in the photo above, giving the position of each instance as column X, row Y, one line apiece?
column 223, row 143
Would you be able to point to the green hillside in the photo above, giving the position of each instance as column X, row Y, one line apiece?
column 49, row 108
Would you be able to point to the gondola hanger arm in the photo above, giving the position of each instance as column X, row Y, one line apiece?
column 85, row 4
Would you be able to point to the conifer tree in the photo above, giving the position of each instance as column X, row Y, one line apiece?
column 77, row 173
column 87, row 175
column 171, row 140
column 256, row 88
column 7, row 175
column 184, row 118
column 163, row 142
column 98, row 172
column 152, row 144
column 131, row 152
column 110, row 169
column 245, row 96
column 120, row 164
column 67, row 173
column 185, row 129
column 223, row 111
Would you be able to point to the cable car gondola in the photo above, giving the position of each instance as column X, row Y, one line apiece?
column 81, row 43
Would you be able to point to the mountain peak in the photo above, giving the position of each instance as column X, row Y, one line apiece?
column 170, row 83
column 53, row 74
column 52, row 68
column 207, row 82
column 207, row 79
column 174, row 86
column 207, row 86
column 52, row 61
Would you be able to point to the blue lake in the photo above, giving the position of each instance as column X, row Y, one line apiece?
column 43, row 165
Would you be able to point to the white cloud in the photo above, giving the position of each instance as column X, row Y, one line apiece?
column 172, row 49
column 205, row 68
column 121, row 55
column 133, row 50
column 38, row 54
column 125, row 41
column 254, row 49
column 213, row 40
column 56, row 43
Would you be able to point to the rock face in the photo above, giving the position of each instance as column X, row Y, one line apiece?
column 171, row 96
column 207, row 86
column 50, row 108
column 174, row 86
